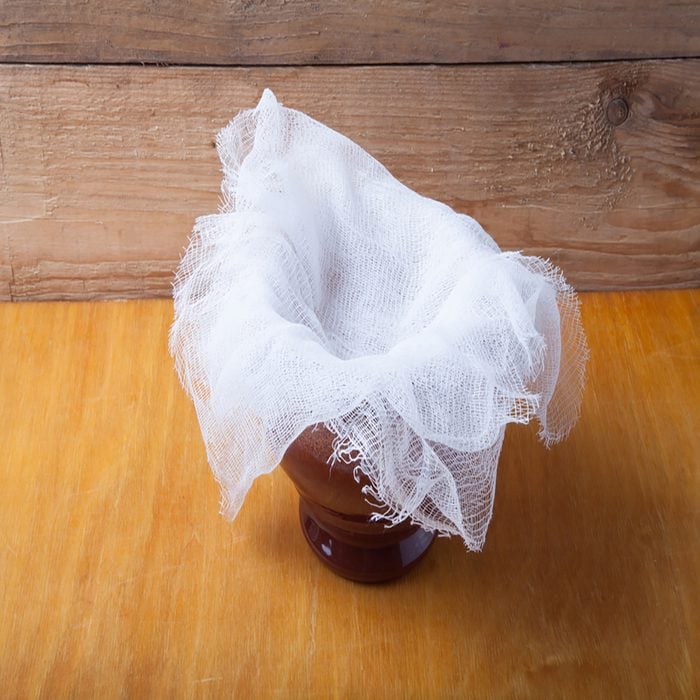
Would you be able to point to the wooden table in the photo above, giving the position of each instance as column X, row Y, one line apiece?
column 119, row 578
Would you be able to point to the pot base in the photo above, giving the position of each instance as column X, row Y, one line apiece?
column 337, row 520
column 383, row 556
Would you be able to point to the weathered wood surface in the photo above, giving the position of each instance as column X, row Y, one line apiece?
column 283, row 32
column 118, row 578
column 103, row 169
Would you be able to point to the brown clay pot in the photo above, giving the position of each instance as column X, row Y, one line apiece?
column 335, row 517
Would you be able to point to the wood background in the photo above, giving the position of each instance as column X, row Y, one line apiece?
column 118, row 578
column 299, row 32
column 107, row 166
column 103, row 168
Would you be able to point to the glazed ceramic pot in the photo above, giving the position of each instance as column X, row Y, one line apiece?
column 335, row 517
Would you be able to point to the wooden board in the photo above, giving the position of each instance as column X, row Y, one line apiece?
column 104, row 169
column 120, row 579
column 285, row 32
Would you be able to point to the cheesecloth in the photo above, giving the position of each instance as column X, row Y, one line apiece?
column 325, row 291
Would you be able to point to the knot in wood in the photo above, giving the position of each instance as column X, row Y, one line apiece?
column 617, row 111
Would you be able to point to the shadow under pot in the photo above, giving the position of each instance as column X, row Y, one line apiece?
column 336, row 518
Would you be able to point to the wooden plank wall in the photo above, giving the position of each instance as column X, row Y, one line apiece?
column 572, row 132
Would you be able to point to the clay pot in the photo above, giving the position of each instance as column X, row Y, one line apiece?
column 335, row 517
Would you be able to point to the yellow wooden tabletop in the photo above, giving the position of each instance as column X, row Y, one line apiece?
column 118, row 577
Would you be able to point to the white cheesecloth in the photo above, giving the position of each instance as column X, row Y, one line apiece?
column 325, row 291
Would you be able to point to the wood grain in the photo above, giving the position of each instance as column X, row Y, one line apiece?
column 104, row 169
column 285, row 32
column 119, row 578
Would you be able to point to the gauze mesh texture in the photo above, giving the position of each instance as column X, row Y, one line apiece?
column 325, row 291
